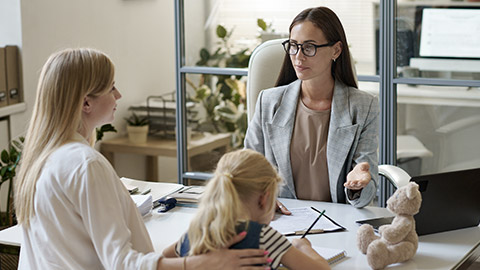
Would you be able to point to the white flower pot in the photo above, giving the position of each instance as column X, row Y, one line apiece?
column 137, row 134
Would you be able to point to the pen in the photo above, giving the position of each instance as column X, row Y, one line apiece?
column 185, row 189
column 146, row 191
column 327, row 217
column 310, row 232
column 313, row 224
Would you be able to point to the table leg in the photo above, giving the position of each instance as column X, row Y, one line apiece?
column 109, row 156
column 152, row 168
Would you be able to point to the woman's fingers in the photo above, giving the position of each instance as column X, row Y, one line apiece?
column 359, row 177
column 284, row 210
column 251, row 257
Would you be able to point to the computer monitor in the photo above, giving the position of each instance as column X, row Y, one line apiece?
column 449, row 39
column 450, row 33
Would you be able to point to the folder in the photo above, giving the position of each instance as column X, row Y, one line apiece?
column 13, row 75
column 3, row 79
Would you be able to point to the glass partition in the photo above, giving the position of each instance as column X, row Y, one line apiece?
column 437, row 128
column 438, row 39
column 224, row 33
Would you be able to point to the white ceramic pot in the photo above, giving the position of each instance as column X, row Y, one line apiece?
column 137, row 134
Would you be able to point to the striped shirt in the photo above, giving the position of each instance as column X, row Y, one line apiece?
column 269, row 239
column 275, row 243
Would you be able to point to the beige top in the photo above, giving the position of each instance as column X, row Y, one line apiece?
column 308, row 154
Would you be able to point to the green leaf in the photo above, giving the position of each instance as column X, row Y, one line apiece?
column 262, row 24
column 5, row 157
column 201, row 93
column 2, row 172
column 242, row 122
column 104, row 128
column 17, row 144
column 221, row 31
column 108, row 128
column 204, row 54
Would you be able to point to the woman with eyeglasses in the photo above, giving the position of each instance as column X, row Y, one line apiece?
column 315, row 125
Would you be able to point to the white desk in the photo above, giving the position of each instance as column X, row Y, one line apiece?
column 435, row 251
column 431, row 95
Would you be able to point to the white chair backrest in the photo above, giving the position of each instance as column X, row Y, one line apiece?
column 263, row 69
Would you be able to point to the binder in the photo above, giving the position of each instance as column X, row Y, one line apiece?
column 3, row 79
column 13, row 75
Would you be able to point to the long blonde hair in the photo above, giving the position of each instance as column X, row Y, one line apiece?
column 66, row 79
column 238, row 176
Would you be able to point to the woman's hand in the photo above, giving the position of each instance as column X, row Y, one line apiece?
column 359, row 177
column 282, row 209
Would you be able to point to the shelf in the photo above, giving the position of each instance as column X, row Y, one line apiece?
column 12, row 109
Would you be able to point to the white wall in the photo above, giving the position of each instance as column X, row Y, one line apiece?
column 10, row 24
column 137, row 34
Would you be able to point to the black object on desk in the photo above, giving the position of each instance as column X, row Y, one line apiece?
column 165, row 204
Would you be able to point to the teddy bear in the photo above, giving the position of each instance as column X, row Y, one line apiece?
column 398, row 241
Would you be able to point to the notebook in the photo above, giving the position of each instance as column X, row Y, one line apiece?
column 450, row 201
column 188, row 194
column 331, row 255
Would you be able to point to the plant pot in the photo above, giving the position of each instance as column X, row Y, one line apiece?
column 137, row 134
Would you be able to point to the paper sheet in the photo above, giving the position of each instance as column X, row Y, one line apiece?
column 300, row 220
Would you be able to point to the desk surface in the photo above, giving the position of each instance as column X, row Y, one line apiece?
column 436, row 251
column 431, row 95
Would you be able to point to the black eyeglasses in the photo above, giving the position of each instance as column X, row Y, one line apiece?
column 308, row 49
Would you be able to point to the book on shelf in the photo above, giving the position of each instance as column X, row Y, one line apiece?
column 3, row 79
column 12, row 68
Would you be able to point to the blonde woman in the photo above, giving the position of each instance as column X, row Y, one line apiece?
column 241, row 196
column 74, row 211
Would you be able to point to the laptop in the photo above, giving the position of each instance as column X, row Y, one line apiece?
column 450, row 201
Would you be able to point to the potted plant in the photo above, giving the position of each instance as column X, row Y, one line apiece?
column 137, row 128
column 8, row 166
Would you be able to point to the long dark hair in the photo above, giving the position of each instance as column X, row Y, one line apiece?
column 327, row 21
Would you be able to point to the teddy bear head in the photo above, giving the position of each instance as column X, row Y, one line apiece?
column 406, row 200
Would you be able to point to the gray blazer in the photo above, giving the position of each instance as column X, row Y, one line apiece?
column 352, row 137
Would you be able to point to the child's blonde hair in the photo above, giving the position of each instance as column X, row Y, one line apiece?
column 239, row 175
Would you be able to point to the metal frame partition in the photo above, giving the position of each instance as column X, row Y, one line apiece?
column 387, row 96
column 387, row 80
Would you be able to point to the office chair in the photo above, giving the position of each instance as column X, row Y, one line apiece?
column 263, row 68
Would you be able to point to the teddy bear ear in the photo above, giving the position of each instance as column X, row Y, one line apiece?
column 412, row 190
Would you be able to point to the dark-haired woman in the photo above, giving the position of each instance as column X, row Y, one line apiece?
column 315, row 125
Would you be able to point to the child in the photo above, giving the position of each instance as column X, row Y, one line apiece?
column 241, row 197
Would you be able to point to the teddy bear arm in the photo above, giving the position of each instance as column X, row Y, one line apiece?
column 397, row 231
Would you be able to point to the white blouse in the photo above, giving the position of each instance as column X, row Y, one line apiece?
column 84, row 217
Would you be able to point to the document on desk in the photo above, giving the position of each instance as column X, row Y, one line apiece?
column 299, row 221
column 157, row 189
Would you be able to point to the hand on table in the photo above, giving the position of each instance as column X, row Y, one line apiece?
column 282, row 209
